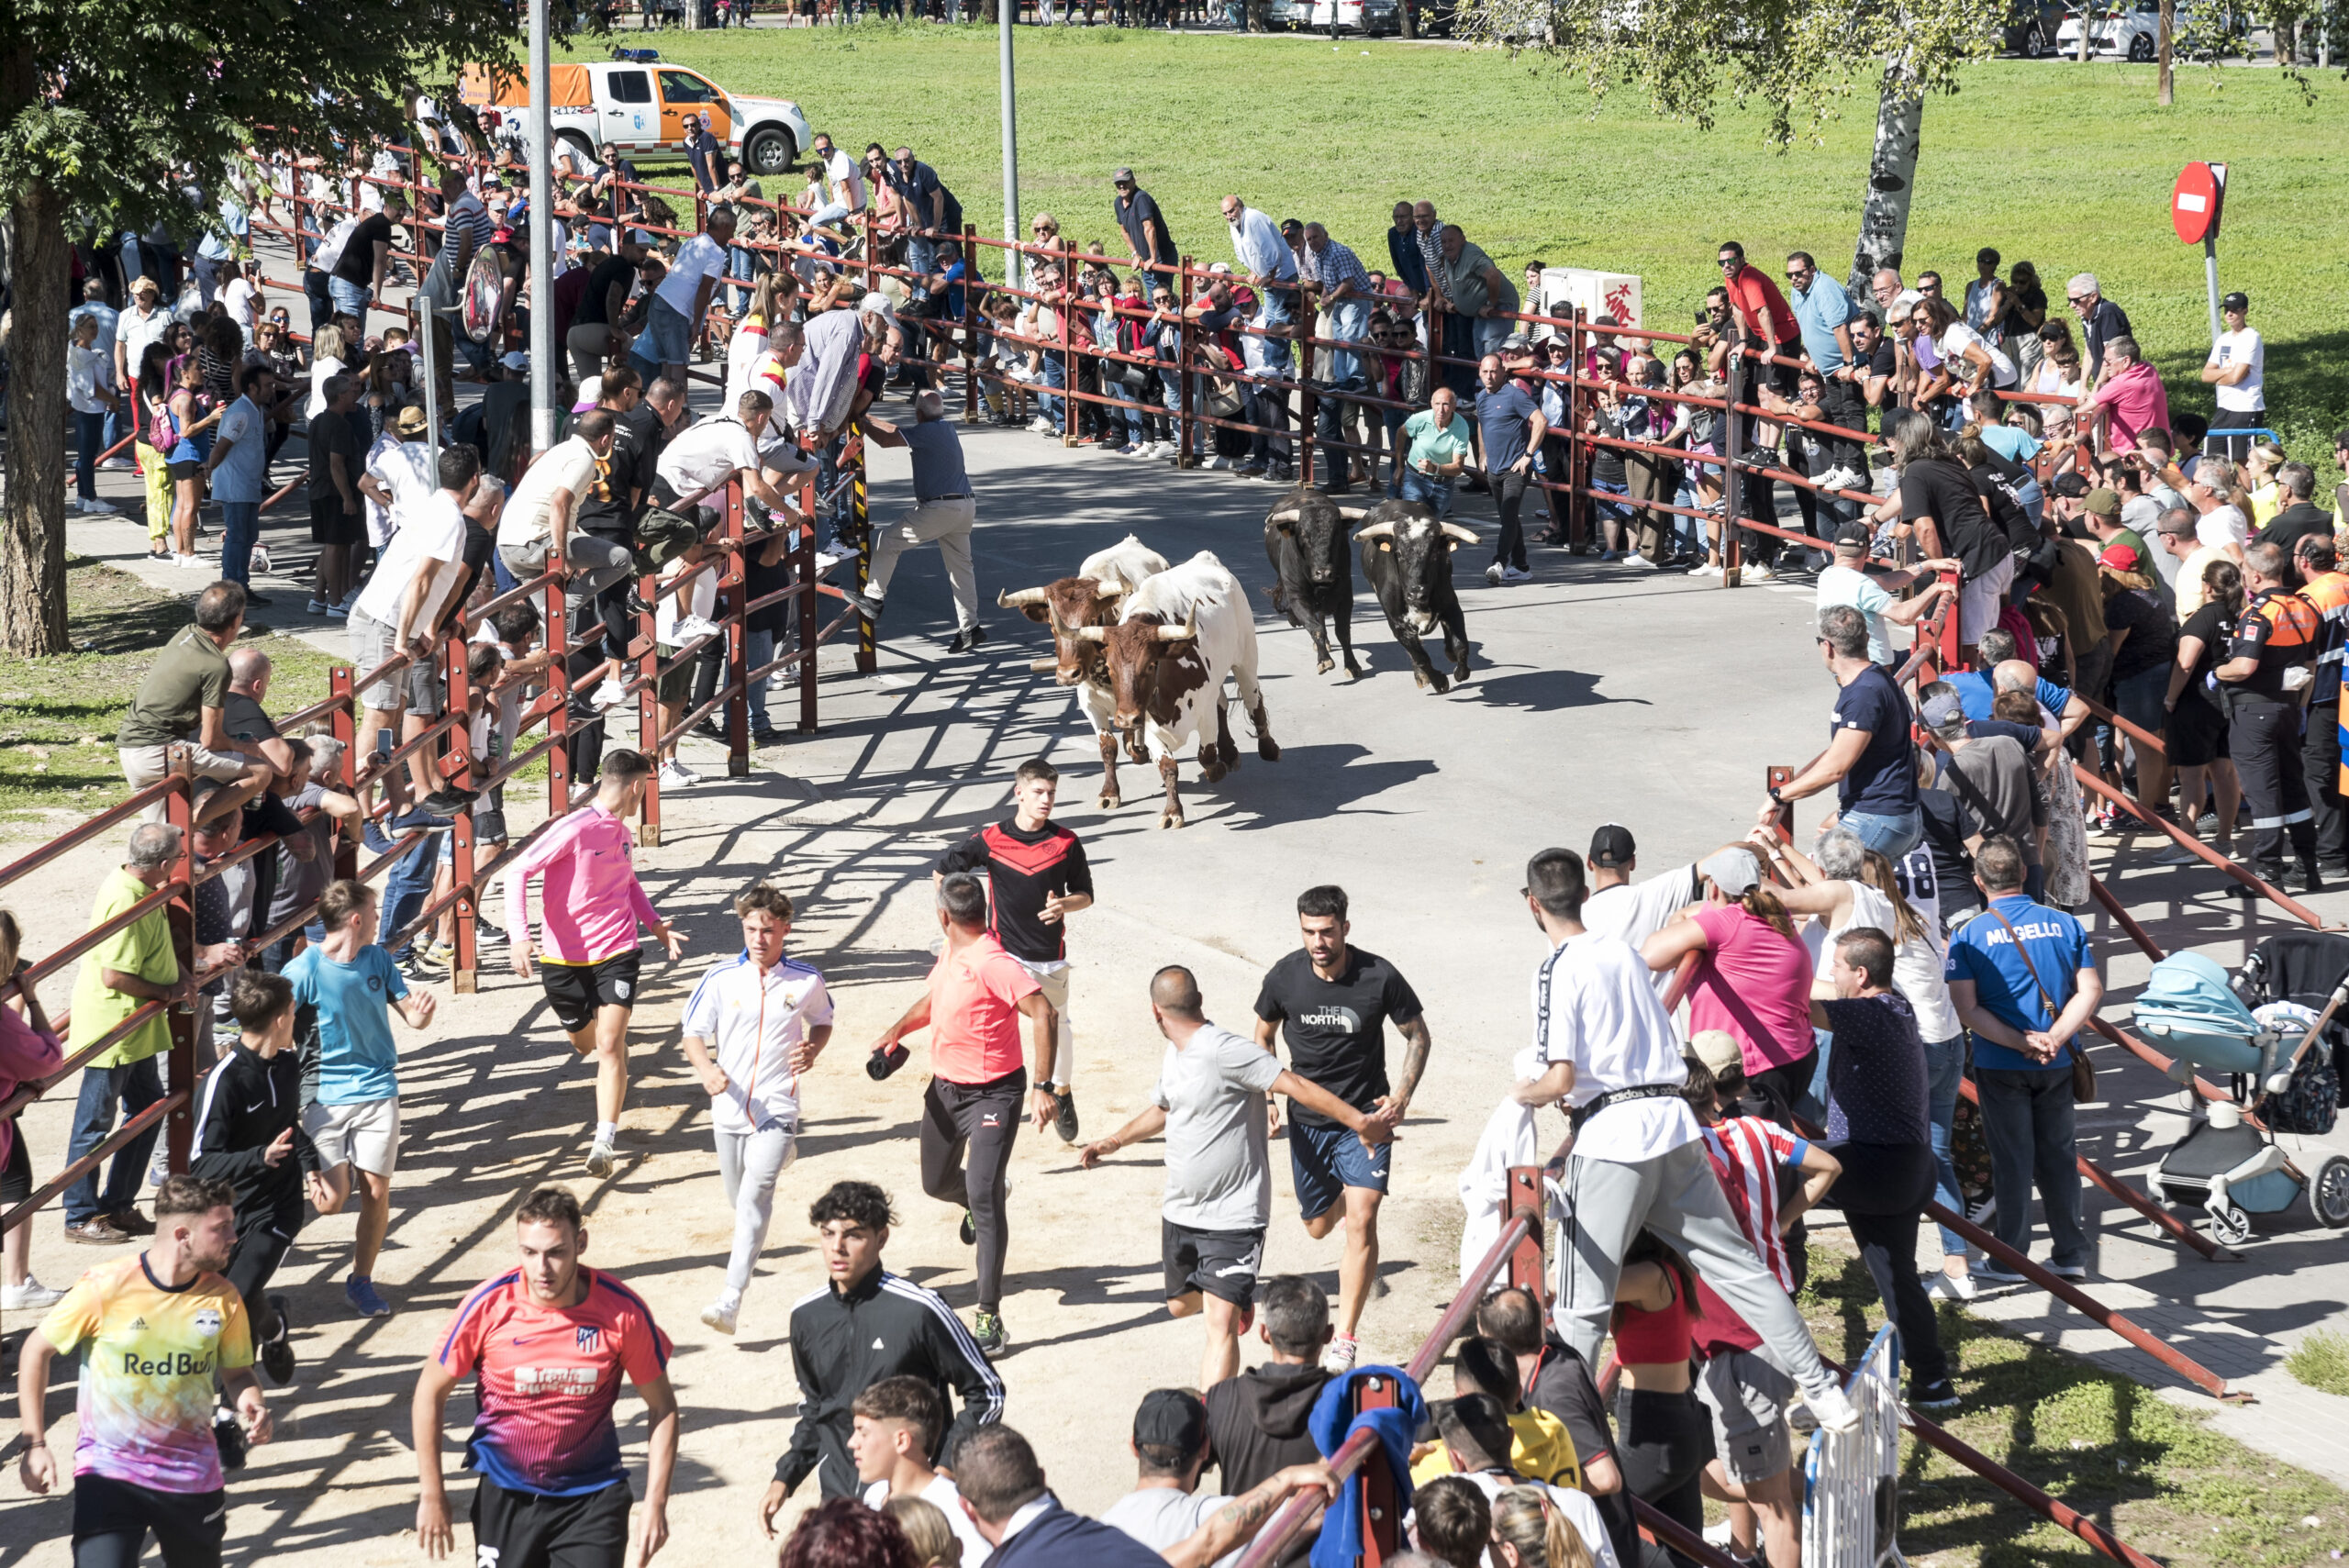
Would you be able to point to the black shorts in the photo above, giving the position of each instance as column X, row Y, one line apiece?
column 330, row 523
column 576, row 991
column 17, row 1171
column 2195, row 735
column 523, row 1530
column 179, row 471
column 1220, row 1262
column 112, row 1519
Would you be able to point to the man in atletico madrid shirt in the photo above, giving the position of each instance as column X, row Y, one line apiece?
column 549, row 1339
column 1036, row 877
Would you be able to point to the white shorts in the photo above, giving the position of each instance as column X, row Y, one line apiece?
column 365, row 1133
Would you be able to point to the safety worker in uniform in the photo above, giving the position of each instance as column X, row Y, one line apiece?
column 2269, row 671
column 2326, row 588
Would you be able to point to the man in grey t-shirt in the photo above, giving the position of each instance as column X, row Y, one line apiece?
column 1210, row 1102
column 944, row 514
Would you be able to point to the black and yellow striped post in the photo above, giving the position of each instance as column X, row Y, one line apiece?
column 868, row 658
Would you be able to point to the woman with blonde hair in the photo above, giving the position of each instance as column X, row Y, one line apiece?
column 1530, row 1530
column 2266, row 497
column 934, row 1542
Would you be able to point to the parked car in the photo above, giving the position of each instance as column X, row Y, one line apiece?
column 639, row 104
column 2032, row 27
column 2115, row 32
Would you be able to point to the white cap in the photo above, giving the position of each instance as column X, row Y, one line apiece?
column 591, row 392
column 881, row 304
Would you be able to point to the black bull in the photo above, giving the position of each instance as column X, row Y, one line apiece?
column 1313, row 570
column 1406, row 557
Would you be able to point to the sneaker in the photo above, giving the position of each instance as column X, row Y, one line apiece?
column 677, row 775
column 1339, row 1359
column 1064, row 1118
column 448, row 800
column 1121, row 451
column 600, row 1159
column 259, row 558
column 1990, row 1272
column 721, row 1316
column 766, row 736
column 119, row 464
column 1704, row 568
column 1941, row 1396
column 365, row 1300
column 1981, row 1214
column 691, row 627
column 30, row 1297
column 440, row 955
column 1833, row 1409
column 1219, row 462
column 866, row 604
column 1517, row 575
column 968, row 1233
column 1493, row 574
column 417, row 816
column 827, row 559
column 2076, row 1273
column 420, row 969
column 195, row 560
column 986, row 1328
column 1951, row 1287
column 276, row 1357
column 318, row 607
column 96, row 509
column 1040, row 426
column 2179, row 855
column 485, row 934
column 611, row 694
column 1758, row 574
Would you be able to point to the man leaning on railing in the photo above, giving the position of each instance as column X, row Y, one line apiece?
column 185, row 696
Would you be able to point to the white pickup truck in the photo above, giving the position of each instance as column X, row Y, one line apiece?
column 640, row 106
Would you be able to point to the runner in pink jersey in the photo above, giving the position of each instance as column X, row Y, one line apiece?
column 589, row 908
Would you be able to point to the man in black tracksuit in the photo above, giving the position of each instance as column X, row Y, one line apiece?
column 864, row 1325
column 249, row 1134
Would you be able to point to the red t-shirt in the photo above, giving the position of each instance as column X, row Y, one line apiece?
column 549, row 1377
column 974, row 996
column 1756, row 299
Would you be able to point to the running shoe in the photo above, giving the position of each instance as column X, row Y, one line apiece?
column 677, row 775
column 1065, row 1117
column 721, row 1316
column 1493, row 574
column 419, row 968
column 1339, row 1359
column 1990, row 1271
column 1517, row 575
column 691, row 627
column 2076, row 1273
column 440, row 955
column 365, row 1299
column 986, row 1328
column 600, row 1159
column 276, row 1352
column 611, row 694
column 1833, row 1409
column 1941, row 1396
column 2179, row 855
column 827, row 559
column 30, row 1297
column 1942, row 1287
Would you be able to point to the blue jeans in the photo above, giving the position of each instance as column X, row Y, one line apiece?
column 2027, row 1118
column 240, row 527
column 1436, row 493
column 321, row 294
column 1491, row 332
column 1609, row 510
column 89, row 440
column 921, row 257
column 133, row 1088
column 1055, row 374
column 406, row 888
column 742, row 264
column 1890, row 836
column 1348, row 321
column 349, row 297
column 758, row 647
column 1944, row 1066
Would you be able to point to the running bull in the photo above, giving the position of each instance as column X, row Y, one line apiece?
column 1313, row 573
column 1091, row 598
column 1407, row 559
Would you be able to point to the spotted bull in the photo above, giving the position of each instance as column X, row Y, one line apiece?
column 1313, row 573
column 1177, row 637
column 1091, row 598
column 1406, row 560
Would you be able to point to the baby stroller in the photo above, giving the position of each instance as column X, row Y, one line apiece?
column 2275, row 1063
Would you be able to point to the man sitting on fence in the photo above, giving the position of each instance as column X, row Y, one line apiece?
column 186, row 697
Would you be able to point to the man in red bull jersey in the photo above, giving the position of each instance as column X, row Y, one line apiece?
column 548, row 1340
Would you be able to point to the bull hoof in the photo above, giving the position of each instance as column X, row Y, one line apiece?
column 1459, row 672
column 1324, row 666
column 1110, row 802
column 1228, row 755
column 1421, row 678
column 1170, row 819
column 1267, row 750
column 1211, row 769
column 1353, row 671
column 1435, row 677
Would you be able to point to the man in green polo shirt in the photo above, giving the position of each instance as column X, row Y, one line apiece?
column 134, row 966
column 184, row 697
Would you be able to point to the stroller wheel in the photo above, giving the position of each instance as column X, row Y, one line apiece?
column 2231, row 1226
column 2329, row 1193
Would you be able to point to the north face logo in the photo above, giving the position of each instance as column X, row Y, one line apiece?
column 879, row 1346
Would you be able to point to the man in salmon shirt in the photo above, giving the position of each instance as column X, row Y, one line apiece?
column 970, row 1114
column 589, row 911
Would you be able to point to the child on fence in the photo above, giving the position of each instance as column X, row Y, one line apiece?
column 247, row 1134
column 349, row 987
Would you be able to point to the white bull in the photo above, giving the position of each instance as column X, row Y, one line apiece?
column 1093, row 598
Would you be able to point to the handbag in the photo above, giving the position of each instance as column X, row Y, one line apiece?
column 1132, row 377
column 1223, row 404
column 2083, row 1075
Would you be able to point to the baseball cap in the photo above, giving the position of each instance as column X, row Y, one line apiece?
column 515, row 359
column 410, row 422
column 2236, row 301
column 591, row 392
column 881, row 304
column 1940, row 710
column 1171, row 1417
column 1221, row 269
column 2071, row 487
column 2121, row 556
column 2102, row 502
column 1732, row 869
column 1122, row 177
column 1611, row 847
column 1855, row 536
column 1718, row 1050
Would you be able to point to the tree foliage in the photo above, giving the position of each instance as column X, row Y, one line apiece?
column 1798, row 60
column 122, row 114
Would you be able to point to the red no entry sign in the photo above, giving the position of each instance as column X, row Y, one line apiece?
column 2194, row 203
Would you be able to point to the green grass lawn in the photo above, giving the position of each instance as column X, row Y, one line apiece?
column 2067, row 165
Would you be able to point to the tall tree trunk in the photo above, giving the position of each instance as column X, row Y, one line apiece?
column 1892, row 180
column 2165, row 94
column 32, row 509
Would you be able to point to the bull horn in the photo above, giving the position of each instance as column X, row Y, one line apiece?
column 1092, row 634
column 1013, row 598
column 1288, row 508
column 1354, row 513
column 1375, row 530
column 1108, row 588
column 1183, row 633
column 1456, row 533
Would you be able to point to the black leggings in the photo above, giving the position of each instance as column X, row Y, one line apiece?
column 112, row 1519
column 981, row 1120
column 1661, row 1441
column 1883, row 1192
column 254, row 1262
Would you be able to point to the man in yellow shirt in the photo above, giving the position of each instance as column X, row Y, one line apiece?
column 1540, row 1447
column 135, row 966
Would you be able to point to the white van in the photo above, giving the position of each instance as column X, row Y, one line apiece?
column 640, row 106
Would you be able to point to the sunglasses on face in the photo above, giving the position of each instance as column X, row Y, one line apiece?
column 1731, row 260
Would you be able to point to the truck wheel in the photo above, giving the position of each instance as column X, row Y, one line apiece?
column 769, row 151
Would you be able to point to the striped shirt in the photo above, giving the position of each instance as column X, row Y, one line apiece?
column 1333, row 265
column 1746, row 1152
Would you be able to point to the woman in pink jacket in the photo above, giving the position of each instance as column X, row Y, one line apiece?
column 28, row 1051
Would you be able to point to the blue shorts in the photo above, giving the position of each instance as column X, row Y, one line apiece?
column 669, row 335
column 1325, row 1160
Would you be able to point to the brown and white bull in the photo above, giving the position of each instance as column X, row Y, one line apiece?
column 1090, row 598
column 1177, row 637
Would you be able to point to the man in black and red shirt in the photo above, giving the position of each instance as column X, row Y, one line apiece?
column 2270, row 663
column 1036, row 877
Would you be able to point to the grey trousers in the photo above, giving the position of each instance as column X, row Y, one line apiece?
column 748, row 1163
column 946, row 524
column 1676, row 1195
